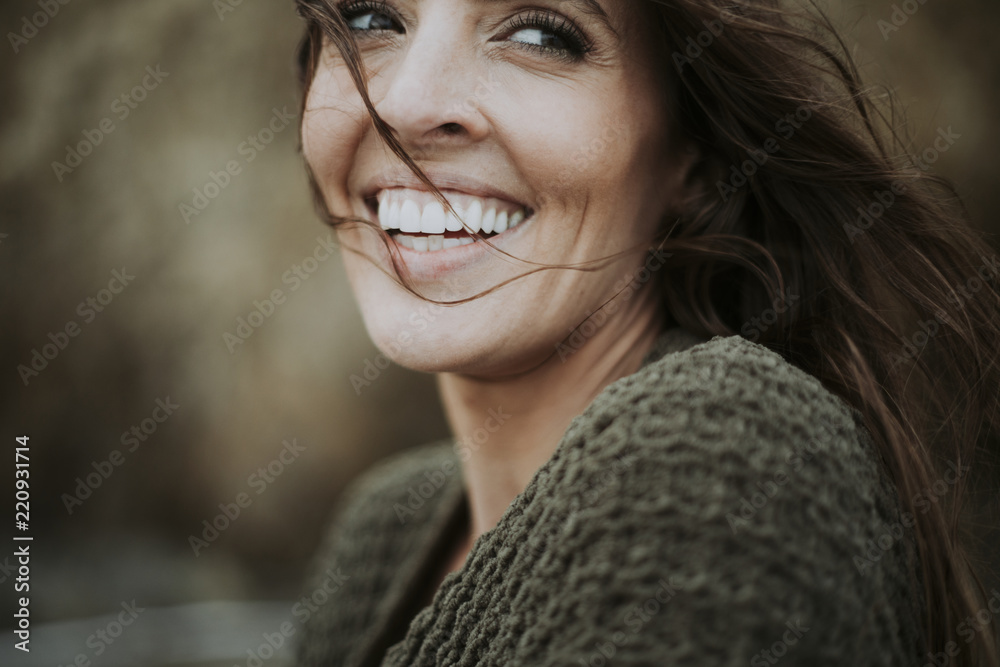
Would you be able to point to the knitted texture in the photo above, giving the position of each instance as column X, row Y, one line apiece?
column 717, row 507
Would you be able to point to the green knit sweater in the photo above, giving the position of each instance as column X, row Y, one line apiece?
column 717, row 507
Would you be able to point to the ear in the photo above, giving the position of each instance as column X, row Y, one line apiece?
column 690, row 174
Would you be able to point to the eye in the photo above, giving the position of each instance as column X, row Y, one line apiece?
column 539, row 37
column 370, row 16
column 548, row 33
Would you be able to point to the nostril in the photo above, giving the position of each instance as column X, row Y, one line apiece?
column 451, row 128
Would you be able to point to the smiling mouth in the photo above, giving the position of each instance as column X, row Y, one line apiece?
column 416, row 220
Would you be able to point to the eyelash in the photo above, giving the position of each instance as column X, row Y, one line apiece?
column 351, row 10
column 577, row 44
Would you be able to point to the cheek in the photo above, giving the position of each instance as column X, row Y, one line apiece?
column 598, row 146
column 567, row 150
column 331, row 132
column 596, row 155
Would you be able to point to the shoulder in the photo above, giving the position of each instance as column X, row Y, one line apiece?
column 424, row 471
column 742, row 436
column 382, row 522
column 731, row 378
column 738, row 495
column 389, row 509
column 396, row 500
column 730, row 402
column 397, row 495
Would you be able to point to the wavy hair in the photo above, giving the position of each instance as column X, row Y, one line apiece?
column 820, row 233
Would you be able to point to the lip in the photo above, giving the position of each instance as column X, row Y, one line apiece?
column 436, row 265
column 432, row 266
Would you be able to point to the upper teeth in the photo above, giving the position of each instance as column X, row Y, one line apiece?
column 416, row 212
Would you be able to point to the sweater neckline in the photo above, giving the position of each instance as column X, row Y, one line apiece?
column 404, row 600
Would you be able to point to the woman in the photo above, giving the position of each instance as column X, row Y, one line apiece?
column 707, row 345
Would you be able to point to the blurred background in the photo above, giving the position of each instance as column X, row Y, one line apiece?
column 127, row 267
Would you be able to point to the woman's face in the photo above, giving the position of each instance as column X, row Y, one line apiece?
column 551, row 114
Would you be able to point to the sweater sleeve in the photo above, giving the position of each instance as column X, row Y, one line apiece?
column 735, row 515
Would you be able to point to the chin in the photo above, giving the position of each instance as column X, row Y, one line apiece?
column 463, row 339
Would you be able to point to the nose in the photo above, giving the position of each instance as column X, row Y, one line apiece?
column 434, row 92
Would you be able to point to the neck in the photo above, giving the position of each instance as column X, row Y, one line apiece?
column 508, row 428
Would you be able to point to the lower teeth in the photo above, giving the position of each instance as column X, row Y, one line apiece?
column 431, row 242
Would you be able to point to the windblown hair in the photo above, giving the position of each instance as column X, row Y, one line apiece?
column 819, row 234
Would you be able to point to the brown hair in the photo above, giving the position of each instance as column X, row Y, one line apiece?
column 819, row 235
